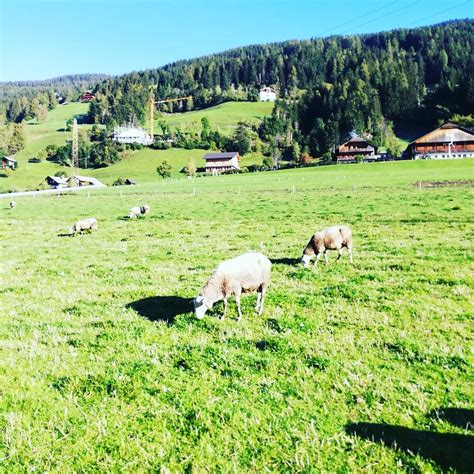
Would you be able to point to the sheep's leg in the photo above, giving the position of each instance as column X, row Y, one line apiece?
column 225, row 308
column 340, row 254
column 317, row 259
column 349, row 249
column 259, row 299
column 262, row 297
column 237, row 300
column 326, row 257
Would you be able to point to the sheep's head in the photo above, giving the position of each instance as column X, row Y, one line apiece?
column 201, row 306
column 305, row 259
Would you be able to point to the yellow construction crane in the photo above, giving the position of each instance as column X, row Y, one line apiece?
column 151, row 107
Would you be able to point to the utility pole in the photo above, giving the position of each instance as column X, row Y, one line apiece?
column 151, row 110
column 75, row 147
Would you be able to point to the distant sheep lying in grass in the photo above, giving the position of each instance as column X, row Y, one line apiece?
column 85, row 224
column 138, row 211
column 332, row 238
column 248, row 272
column 12, row 204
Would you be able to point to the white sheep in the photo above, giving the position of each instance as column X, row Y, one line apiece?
column 84, row 224
column 332, row 238
column 242, row 274
column 12, row 204
column 138, row 211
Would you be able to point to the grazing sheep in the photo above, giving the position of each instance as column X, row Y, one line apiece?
column 12, row 204
column 332, row 238
column 138, row 211
column 85, row 224
column 242, row 274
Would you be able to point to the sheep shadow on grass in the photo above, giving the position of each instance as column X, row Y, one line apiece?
column 448, row 450
column 162, row 308
column 462, row 417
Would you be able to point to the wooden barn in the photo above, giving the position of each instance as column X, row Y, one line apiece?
column 217, row 163
column 56, row 182
column 348, row 151
column 9, row 163
column 84, row 181
column 448, row 141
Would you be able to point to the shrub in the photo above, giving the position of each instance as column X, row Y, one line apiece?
column 326, row 158
column 164, row 170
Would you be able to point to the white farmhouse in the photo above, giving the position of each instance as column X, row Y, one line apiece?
column 268, row 94
column 132, row 135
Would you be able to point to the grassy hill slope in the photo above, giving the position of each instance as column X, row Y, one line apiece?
column 51, row 132
column 223, row 117
column 140, row 165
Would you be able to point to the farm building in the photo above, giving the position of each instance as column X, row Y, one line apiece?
column 448, row 141
column 84, row 181
column 86, row 97
column 9, row 163
column 348, row 151
column 219, row 162
column 56, row 182
column 132, row 135
column 267, row 94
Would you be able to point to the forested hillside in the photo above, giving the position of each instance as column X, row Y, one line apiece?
column 23, row 100
column 332, row 85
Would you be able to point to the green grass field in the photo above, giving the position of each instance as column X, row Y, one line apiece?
column 103, row 367
column 140, row 165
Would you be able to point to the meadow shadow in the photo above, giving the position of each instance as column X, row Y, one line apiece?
column 448, row 450
column 286, row 261
column 462, row 417
column 162, row 308
column 65, row 235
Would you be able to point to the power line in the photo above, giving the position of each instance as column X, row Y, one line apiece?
column 355, row 19
column 385, row 15
column 438, row 13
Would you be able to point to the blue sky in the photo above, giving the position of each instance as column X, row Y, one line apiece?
column 42, row 39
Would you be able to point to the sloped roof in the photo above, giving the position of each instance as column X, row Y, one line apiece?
column 130, row 130
column 445, row 134
column 8, row 158
column 217, row 156
column 88, row 179
column 58, row 179
column 356, row 139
